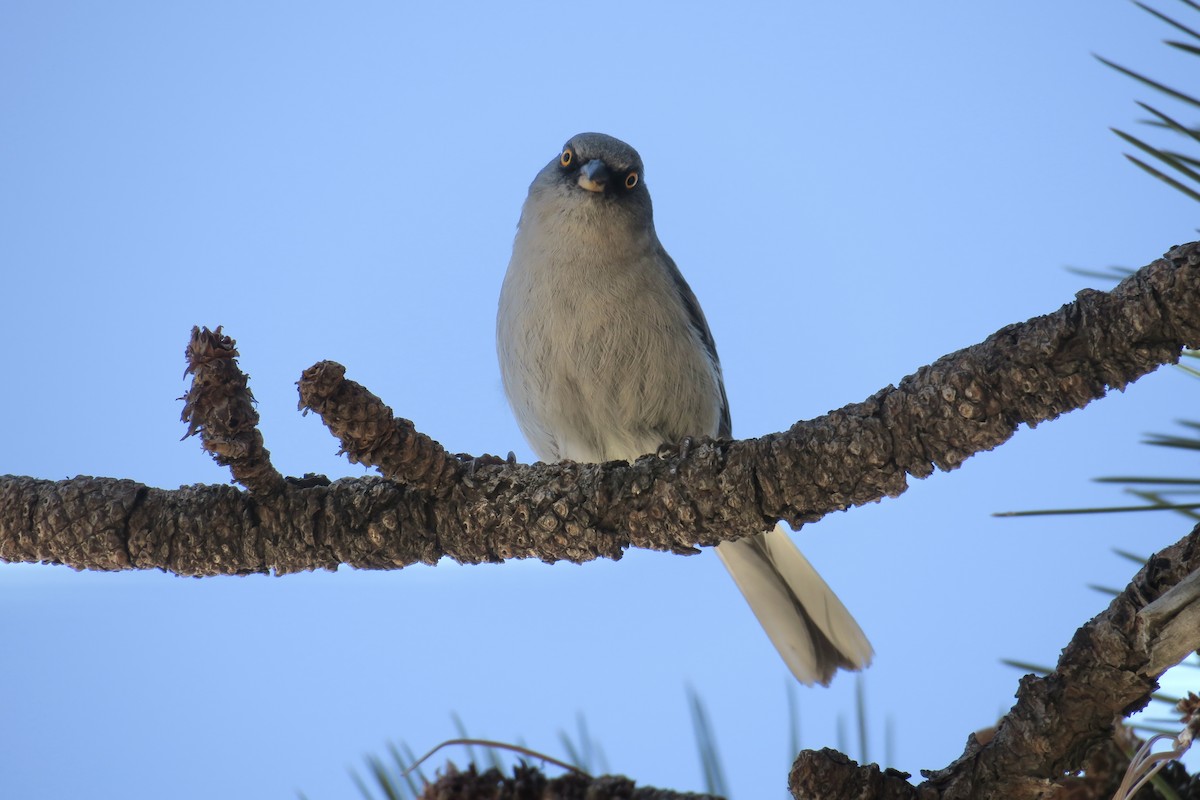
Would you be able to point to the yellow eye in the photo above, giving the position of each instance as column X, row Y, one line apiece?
column 567, row 157
column 631, row 180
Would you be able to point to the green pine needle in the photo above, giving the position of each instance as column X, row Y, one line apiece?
column 1170, row 122
column 1174, row 441
column 1113, row 273
column 1158, row 481
column 1134, row 557
column 793, row 706
column 1153, row 84
column 1184, row 157
column 889, row 740
column 706, row 744
column 1097, row 510
column 586, row 754
column 1165, row 178
column 380, row 773
column 362, row 787
column 1184, row 46
column 1161, row 155
column 461, row 730
column 1168, row 20
column 402, row 761
column 573, row 755
column 1036, row 669
column 860, row 707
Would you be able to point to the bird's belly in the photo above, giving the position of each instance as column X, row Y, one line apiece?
column 623, row 379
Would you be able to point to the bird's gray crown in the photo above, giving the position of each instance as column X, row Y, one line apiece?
column 618, row 156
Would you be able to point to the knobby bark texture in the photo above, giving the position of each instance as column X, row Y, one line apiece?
column 432, row 504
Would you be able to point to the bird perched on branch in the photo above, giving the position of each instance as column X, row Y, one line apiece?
column 606, row 355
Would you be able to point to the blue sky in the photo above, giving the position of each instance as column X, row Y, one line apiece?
column 852, row 190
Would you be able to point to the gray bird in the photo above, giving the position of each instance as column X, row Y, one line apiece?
column 606, row 355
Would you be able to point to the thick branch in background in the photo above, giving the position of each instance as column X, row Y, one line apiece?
column 1063, row 722
column 483, row 510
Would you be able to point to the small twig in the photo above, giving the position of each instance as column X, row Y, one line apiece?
column 1145, row 765
column 372, row 436
column 219, row 406
column 515, row 748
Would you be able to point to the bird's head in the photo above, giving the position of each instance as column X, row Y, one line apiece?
column 598, row 163
column 598, row 176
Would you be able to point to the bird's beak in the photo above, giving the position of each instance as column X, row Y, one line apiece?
column 593, row 176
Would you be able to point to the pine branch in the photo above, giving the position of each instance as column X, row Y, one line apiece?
column 433, row 504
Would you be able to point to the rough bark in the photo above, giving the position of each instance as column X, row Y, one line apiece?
column 1062, row 723
column 484, row 509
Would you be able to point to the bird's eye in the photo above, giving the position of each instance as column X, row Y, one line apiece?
column 631, row 180
column 568, row 155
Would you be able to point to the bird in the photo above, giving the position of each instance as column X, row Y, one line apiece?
column 606, row 355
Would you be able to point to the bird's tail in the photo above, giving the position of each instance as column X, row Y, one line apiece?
column 807, row 623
